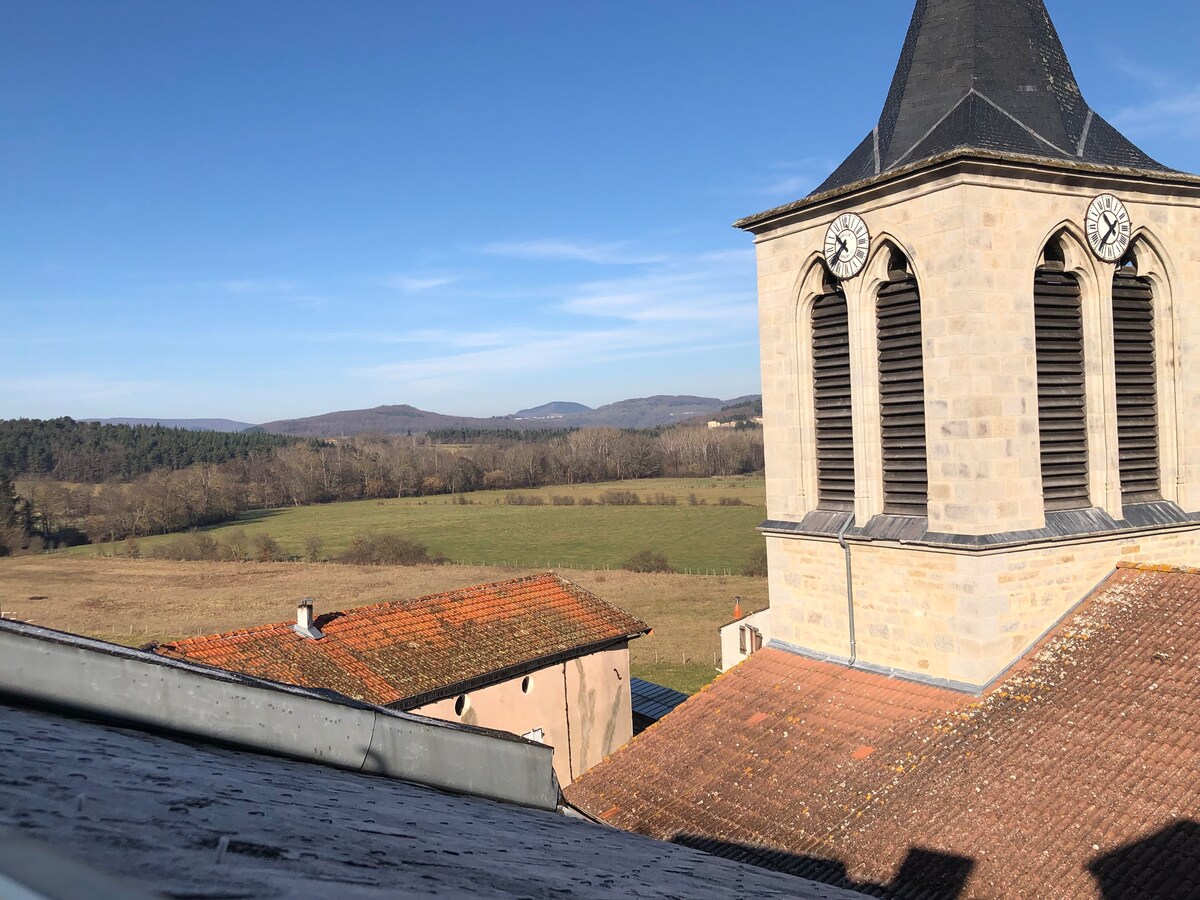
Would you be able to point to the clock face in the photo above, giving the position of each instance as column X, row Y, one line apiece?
column 1108, row 227
column 847, row 243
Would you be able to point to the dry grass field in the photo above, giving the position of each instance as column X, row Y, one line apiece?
column 132, row 601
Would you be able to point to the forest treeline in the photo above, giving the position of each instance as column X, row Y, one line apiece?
column 50, row 512
column 67, row 450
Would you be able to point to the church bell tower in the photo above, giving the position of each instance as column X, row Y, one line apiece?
column 980, row 358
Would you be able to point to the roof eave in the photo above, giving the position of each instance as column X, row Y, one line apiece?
column 755, row 222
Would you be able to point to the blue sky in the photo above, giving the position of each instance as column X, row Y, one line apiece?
column 273, row 209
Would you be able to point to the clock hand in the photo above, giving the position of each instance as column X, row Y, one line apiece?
column 1108, row 234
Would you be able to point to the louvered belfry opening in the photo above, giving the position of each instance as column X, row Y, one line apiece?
column 831, row 388
column 902, row 394
column 1062, row 414
column 1137, row 385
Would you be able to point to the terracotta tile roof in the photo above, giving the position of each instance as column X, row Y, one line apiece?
column 407, row 652
column 1076, row 776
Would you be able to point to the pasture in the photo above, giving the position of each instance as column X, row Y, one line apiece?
column 133, row 601
column 711, row 527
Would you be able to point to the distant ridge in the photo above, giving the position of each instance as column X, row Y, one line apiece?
column 552, row 410
column 400, row 419
column 188, row 424
column 647, row 412
column 641, row 412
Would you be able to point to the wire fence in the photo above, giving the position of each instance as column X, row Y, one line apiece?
column 711, row 571
column 653, row 653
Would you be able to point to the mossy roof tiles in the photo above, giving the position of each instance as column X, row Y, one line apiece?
column 410, row 650
column 1077, row 775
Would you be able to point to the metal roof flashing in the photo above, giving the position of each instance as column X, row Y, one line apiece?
column 46, row 668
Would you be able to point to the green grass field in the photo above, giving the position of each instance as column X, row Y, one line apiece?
column 704, row 537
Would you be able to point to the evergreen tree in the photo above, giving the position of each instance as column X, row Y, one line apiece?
column 9, row 502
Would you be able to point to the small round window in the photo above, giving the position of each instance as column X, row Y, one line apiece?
column 526, row 684
column 461, row 705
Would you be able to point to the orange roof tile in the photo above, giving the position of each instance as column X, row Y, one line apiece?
column 406, row 652
column 1076, row 776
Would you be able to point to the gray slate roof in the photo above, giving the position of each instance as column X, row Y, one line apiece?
column 985, row 75
column 193, row 820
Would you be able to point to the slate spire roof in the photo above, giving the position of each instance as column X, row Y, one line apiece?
column 985, row 75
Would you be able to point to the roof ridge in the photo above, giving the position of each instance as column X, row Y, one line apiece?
column 934, row 127
column 453, row 593
column 372, row 607
column 1033, row 131
column 1157, row 567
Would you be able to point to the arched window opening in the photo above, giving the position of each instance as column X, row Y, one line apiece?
column 1062, row 414
column 1137, row 384
column 831, row 390
column 902, row 393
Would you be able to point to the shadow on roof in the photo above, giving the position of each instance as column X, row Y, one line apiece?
column 1164, row 865
column 924, row 874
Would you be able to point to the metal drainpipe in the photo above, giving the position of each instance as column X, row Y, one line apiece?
column 849, row 588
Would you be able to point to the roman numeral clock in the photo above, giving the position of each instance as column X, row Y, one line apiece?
column 847, row 243
column 1108, row 227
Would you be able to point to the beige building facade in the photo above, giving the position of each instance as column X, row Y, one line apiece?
column 1000, row 553
column 580, row 707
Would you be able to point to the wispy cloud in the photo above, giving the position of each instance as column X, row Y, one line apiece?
column 682, row 305
column 792, row 179
column 260, row 286
column 545, row 351
column 1174, row 111
column 683, row 298
column 433, row 337
column 1155, row 79
column 616, row 253
column 416, row 284
column 1177, row 114
column 798, row 185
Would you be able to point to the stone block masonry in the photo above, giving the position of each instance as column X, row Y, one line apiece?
column 972, row 232
column 953, row 616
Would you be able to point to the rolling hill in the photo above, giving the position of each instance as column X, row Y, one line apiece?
column 554, row 410
column 641, row 412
